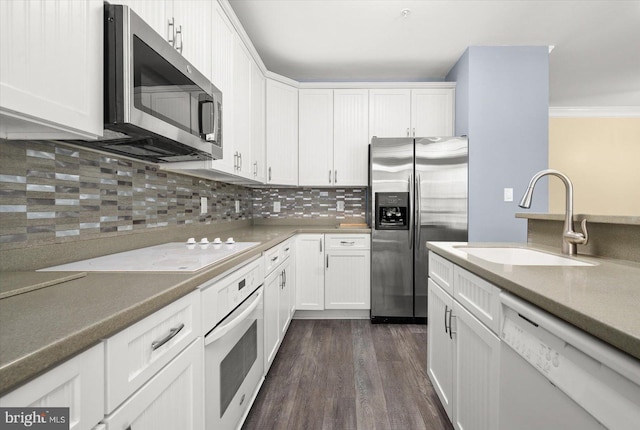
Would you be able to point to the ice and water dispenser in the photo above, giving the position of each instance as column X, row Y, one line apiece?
column 392, row 211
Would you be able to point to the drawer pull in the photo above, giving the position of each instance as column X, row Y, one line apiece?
column 347, row 242
column 172, row 333
column 274, row 258
column 286, row 250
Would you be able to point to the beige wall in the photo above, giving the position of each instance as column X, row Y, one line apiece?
column 602, row 158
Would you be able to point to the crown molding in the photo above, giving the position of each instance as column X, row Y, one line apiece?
column 595, row 112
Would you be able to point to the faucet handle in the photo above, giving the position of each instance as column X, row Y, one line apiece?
column 578, row 238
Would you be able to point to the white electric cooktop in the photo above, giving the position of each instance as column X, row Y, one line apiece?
column 169, row 257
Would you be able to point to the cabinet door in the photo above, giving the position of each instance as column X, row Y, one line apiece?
column 477, row 370
column 389, row 113
column 284, row 306
column 193, row 21
column 282, row 134
column 242, row 108
column 257, row 123
column 310, row 272
column 172, row 399
column 223, row 46
column 271, row 308
column 432, row 112
column 51, row 57
column 77, row 384
column 347, row 280
column 316, row 137
column 440, row 347
column 351, row 137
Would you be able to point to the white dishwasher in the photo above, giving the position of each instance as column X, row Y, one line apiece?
column 555, row 376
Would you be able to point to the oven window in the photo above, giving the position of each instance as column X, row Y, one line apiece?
column 166, row 93
column 236, row 365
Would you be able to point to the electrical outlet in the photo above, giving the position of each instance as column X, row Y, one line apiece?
column 237, row 206
column 340, row 206
column 203, row 205
column 276, row 207
column 508, row 194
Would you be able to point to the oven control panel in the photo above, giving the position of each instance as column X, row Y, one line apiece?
column 222, row 296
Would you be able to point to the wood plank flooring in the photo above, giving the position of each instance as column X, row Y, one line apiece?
column 349, row 374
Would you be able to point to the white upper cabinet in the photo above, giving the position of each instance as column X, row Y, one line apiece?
column 257, row 124
column 192, row 21
column 282, row 133
column 51, row 56
column 316, row 137
column 351, row 137
column 432, row 112
column 417, row 112
column 333, row 137
column 242, row 109
column 389, row 112
column 157, row 14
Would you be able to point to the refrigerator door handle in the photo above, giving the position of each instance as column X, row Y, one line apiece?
column 410, row 212
column 418, row 211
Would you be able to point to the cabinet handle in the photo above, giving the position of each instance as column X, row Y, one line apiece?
column 446, row 307
column 450, row 328
column 269, row 173
column 171, row 35
column 274, row 258
column 327, row 261
column 407, row 131
column 172, row 333
column 284, row 272
column 320, row 245
column 235, row 161
column 179, row 32
column 329, row 175
column 286, row 249
column 347, row 242
column 414, row 132
column 335, row 176
column 255, row 168
column 240, row 159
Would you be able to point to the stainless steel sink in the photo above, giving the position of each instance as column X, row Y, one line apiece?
column 520, row 256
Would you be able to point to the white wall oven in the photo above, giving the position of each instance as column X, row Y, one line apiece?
column 234, row 346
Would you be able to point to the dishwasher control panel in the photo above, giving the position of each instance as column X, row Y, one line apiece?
column 535, row 351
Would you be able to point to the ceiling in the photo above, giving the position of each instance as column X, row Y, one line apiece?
column 595, row 62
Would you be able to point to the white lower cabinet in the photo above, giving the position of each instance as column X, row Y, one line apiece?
column 333, row 271
column 347, row 282
column 310, row 272
column 463, row 354
column 172, row 399
column 279, row 299
column 77, row 384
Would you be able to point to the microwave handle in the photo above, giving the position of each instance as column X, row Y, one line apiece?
column 201, row 103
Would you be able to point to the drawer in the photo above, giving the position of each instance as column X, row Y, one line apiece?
column 479, row 297
column 441, row 271
column 138, row 352
column 272, row 259
column 346, row 242
column 78, row 384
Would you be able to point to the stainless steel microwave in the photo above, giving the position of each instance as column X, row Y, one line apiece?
column 157, row 106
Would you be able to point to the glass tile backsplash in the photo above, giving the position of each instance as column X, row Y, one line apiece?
column 51, row 192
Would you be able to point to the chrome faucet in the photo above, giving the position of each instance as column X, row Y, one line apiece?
column 570, row 238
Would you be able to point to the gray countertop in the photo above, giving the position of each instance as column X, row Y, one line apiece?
column 603, row 300
column 43, row 327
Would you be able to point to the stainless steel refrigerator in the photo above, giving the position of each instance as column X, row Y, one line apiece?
column 419, row 193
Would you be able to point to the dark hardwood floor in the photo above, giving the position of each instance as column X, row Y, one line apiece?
column 349, row 374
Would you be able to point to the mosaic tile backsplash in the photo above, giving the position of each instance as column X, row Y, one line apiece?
column 310, row 203
column 51, row 192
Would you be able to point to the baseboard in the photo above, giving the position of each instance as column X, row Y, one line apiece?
column 333, row 314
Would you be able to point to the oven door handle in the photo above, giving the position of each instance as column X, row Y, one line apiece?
column 234, row 320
